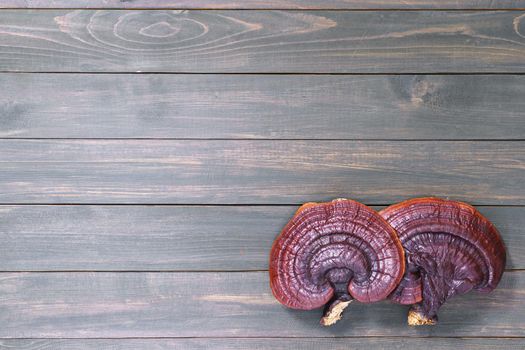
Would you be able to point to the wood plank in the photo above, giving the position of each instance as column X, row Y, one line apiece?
column 262, row 106
column 268, row 4
column 266, row 343
column 168, row 238
column 258, row 171
column 262, row 41
column 102, row 305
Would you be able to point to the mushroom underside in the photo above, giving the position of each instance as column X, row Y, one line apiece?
column 419, row 252
column 450, row 249
column 439, row 267
column 332, row 253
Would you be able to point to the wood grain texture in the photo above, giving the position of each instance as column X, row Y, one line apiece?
column 86, row 305
column 262, row 41
column 268, row 4
column 259, row 172
column 262, row 106
column 265, row 343
column 169, row 238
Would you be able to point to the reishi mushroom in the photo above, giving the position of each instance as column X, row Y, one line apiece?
column 450, row 249
column 331, row 253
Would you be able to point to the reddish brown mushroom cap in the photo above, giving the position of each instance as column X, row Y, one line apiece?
column 450, row 249
column 336, row 250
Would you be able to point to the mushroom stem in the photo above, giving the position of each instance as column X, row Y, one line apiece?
column 435, row 293
column 334, row 311
column 335, row 307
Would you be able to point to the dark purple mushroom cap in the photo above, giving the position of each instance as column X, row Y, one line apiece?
column 450, row 249
column 336, row 247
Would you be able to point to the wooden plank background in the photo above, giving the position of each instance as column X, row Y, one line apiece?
column 215, row 304
column 356, row 343
column 258, row 171
column 169, row 238
column 149, row 156
column 269, row 4
column 262, row 41
column 401, row 107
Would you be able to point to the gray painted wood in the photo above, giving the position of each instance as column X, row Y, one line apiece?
column 262, row 106
column 265, row 343
column 259, row 172
column 101, row 305
column 141, row 239
column 149, row 238
column 268, row 4
column 262, row 41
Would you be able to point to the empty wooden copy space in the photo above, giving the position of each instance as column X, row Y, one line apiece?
column 151, row 151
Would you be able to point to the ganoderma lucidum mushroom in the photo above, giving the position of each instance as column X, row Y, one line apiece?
column 331, row 253
column 450, row 249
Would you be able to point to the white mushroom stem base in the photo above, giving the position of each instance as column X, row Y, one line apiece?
column 417, row 318
column 334, row 311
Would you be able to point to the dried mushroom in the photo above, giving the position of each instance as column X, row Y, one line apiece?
column 331, row 253
column 450, row 249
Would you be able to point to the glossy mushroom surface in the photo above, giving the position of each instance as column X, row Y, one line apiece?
column 450, row 249
column 331, row 253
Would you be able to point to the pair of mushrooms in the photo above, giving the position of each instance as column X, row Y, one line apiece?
column 419, row 252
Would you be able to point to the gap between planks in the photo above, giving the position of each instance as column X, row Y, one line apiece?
column 269, row 9
column 161, row 271
column 276, row 337
column 217, row 204
column 248, row 139
column 306, row 73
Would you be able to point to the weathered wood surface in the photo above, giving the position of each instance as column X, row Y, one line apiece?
column 262, row 41
column 269, row 4
column 258, row 171
column 165, row 273
column 169, row 238
column 100, row 305
column 262, row 106
column 265, row 343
